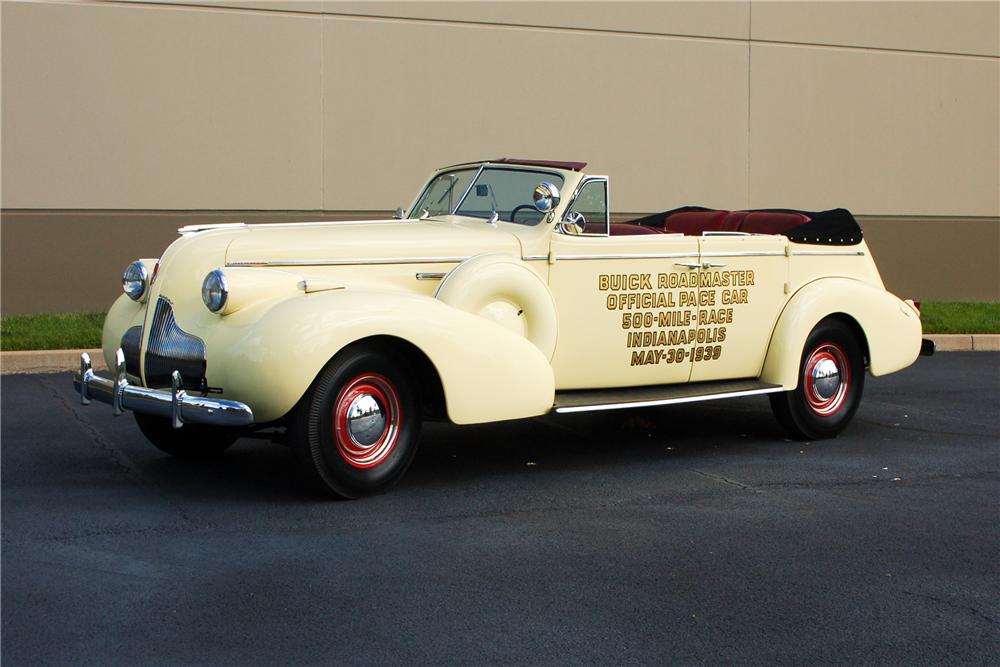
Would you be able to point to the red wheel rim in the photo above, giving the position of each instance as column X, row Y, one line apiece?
column 366, row 420
column 826, row 376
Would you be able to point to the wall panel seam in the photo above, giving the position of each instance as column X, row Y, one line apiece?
column 322, row 115
column 749, row 99
column 529, row 26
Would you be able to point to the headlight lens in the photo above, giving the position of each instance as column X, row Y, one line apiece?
column 134, row 280
column 215, row 291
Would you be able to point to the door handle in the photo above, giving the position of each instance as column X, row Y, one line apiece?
column 712, row 265
column 688, row 265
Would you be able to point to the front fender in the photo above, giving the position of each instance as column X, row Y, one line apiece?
column 891, row 327
column 124, row 313
column 268, row 354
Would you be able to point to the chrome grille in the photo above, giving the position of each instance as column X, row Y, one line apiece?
column 171, row 348
column 130, row 344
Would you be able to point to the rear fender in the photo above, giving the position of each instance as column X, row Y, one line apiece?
column 891, row 327
column 270, row 353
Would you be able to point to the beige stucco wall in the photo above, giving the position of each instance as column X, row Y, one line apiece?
column 887, row 108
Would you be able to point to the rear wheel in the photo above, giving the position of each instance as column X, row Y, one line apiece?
column 192, row 441
column 831, row 381
column 355, row 431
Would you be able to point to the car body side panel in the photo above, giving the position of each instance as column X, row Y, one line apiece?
column 268, row 354
column 892, row 328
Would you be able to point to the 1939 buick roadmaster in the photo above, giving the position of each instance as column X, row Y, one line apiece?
column 504, row 291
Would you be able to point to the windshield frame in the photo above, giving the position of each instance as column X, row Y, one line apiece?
column 479, row 172
column 414, row 213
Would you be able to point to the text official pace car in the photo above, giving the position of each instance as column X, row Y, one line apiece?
column 504, row 291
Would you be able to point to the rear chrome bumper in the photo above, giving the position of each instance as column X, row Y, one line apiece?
column 175, row 404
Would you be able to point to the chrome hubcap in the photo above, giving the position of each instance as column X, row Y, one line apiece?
column 365, row 420
column 826, row 378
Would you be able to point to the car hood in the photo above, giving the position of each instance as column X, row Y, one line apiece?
column 375, row 242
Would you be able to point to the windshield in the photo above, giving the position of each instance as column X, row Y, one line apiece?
column 506, row 191
column 442, row 194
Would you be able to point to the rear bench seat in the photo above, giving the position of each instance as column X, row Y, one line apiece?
column 769, row 222
column 695, row 223
column 620, row 229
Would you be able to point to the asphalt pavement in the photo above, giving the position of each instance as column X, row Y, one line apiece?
column 691, row 534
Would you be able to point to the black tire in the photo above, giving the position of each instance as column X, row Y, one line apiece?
column 192, row 441
column 330, row 458
column 821, row 408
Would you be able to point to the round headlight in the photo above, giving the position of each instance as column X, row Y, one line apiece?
column 215, row 291
column 134, row 280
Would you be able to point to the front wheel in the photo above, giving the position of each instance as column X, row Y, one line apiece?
column 831, row 381
column 355, row 431
column 193, row 441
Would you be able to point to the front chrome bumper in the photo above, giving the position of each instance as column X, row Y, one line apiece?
column 175, row 405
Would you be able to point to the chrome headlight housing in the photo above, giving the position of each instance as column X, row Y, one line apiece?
column 135, row 280
column 215, row 291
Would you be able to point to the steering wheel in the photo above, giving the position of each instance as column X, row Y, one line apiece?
column 513, row 214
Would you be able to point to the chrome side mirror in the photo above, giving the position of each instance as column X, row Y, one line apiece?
column 399, row 214
column 573, row 223
column 545, row 197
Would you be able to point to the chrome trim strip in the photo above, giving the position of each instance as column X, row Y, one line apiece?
column 348, row 261
column 837, row 253
column 749, row 253
column 663, row 255
column 190, row 229
column 711, row 233
column 320, row 223
column 534, row 258
column 174, row 404
column 430, row 276
column 667, row 401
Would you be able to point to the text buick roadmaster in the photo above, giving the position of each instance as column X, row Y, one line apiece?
column 504, row 291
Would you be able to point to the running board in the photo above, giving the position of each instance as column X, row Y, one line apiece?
column 587, row 400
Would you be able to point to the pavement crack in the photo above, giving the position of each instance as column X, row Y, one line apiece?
column 116, row 455
column 953, row 605
column 725, row 480
column 882, row 480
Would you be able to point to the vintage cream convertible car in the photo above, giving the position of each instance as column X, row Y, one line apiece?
column 504, row 291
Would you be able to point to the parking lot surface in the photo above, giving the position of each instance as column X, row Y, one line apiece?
column 688, row 534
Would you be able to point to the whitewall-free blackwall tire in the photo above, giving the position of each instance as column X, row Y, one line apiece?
column 830, row 384
column 355, row 431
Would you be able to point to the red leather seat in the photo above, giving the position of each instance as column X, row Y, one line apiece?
column 619, row 229
column 693, row 223
column 767, row 222
column 733, row 220
column 624, row 229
